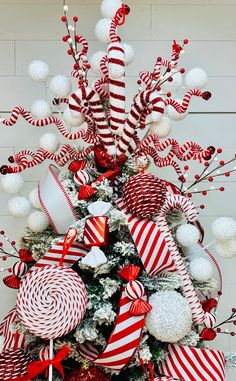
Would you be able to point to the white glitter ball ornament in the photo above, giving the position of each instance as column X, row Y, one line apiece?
column 129, row 53
column 224, row 228
column 19, row 206
column 201, row 269
column 1, row 343
column 49, row 142
column 170, row 318
column 226, row 249
column 161, row 129
column 12, row 183
column 34, row 198
column 196, row 78
column 175, row 115
column 95, row 61
column 38, row 222
column 41, row 109
column 38, row 71
column 109, row 8
column 102, row 30
column 174, row 85
column 187, row 235
column 74, row 119
column 60, row 86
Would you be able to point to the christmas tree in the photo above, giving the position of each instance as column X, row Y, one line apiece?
column 114, row 279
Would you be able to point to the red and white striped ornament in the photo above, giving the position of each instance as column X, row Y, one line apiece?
column 12, row 340
column 82, row 177
column 19, row 269
column 134, row 290
column 13, row 364
column 44, row 353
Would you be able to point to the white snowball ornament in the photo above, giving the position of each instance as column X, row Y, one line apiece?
column 224, row 228
column 1, row 343
column 201, row 269
column 110, row 7
column 129, row 53
column 174, row 85
column 19, row 206
column 38, row 71
column 38, row 222
column 170, row 318
column 226, row 249
column 102, row 30
column 175, row 115
column 41, row 109
column 187, row 235
column 95, row 61
column 34, row 198
column 161, row 129
column 74, row 119
column 12, row 183
column 49, row 142
column 196, row 79
column 60, row 86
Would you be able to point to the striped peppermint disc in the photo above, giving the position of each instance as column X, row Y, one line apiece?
column 51, row 301
column 134, row 290
column 81, row 177
column 13, row 363
column 144, row 195
column 19, row 269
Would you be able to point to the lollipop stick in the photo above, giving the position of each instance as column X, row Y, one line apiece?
column 51, row 357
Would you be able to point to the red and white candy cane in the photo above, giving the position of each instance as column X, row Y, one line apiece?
column 103, row 66
column 99, row 87
column 182, row 108
column 146, row 77
column 188, row 208
column 95, row 105
column 141, row 101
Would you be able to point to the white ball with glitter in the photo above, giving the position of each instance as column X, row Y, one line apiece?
column 38, row 71
column 201, row 269
column 41, row 109
column 226, row 249
column 74, row 119
column 109, row 8
column 129, row 53
column 196, row 78
column 224, row 228
column 49, row 142
column 175, row 115
column 187, row 235
column 170, row 318
column 34, row 198
column 102, row 30
column 60, row 86
column 19, row 206
column 95, row 61
column 12, row 183
column 161, row 129
column 174, row 85
column 38, row 222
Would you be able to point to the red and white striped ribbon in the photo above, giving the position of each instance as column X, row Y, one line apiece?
column 56, row 202
column 12, row 340
column 150, row 243
column 123, row 341
column 193, row 364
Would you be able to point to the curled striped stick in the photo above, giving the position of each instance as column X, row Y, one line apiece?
column 182, row 108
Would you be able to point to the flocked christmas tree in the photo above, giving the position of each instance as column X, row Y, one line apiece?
column 113, row 278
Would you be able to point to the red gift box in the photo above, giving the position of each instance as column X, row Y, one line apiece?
column 96, row 231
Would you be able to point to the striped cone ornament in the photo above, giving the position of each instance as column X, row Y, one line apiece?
column 13, row 363
column 51, row 301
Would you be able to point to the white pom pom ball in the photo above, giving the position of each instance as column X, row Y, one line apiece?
column 110, row 7
column 196, row 79
column 187, row 235
column 49, row 142
column 175, row 115
column 95, row 61
column 102, row 30
column 75, row 119
column 170, row 318
column 129, row 53
column 201, row 269
column 1, row 343
column 161, row 129
column 38, row 71
column 19, row 206
column 174, row 85
column 41, row 109
column 60, row 86
column 38, row 222
column 226, row 249
column 34, row 198
column 12, row 183
column 224, row 228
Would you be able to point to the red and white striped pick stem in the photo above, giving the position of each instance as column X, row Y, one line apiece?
column 188, row 208
column 99, row 118
column 183, row 107
column 99, row 87
column 146, row 78
column 157, row 68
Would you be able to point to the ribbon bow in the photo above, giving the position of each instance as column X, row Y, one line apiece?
column 135, row 290
column 208, row 332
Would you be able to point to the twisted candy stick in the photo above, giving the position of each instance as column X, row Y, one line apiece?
column 96, row 108
column 98, row 87
column 103, row 66
column 182, row 108
column 188, row 208
column 116, row 69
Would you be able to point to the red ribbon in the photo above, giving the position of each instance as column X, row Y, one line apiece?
column 68, row 241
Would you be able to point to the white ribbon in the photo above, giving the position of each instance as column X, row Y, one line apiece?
column 56, row 202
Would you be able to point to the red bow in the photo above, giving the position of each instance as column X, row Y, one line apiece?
column 209, row 304
column 25, row 256
column 208, row 334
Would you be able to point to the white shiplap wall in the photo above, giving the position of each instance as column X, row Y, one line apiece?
column 31, row 29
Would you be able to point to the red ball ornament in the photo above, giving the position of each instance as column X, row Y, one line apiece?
column 185, row 41
column 219, row 150
column 75, row 18
column 144, row 195
column 182, row 70
column 91, row 374
column 63, row 19
column 70, row 52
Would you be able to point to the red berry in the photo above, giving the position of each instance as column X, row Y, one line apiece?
column 139, row 82
column 210, row 179
column 222, row 189
column 219, row 150
column 11, row 159
column 88, row 66
column 219, row 330
column 204, row 193
column 232, row 333
column 158, row 88
column 170, row 79
column 222, row 162
column 70, row 52
column 2, row 232
column 182, row 70
column 206, row 95
column 202, row 206
column 185, row 41
column 190, row 195
column 197, row 177
column 235, row 322
column 80, row 83
column 63, row 19
column 233, row 309
column 4, row 258
column 13, row 243
column 168, row 69
column 76, row 66
column 206, row 164
column 66, row 38
column 9, row 270
column 159, row 59
column 227, row 174
column 186, row 167
column 219, row 293
column 75, row 18
column 1, row 244
column 168, row 94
